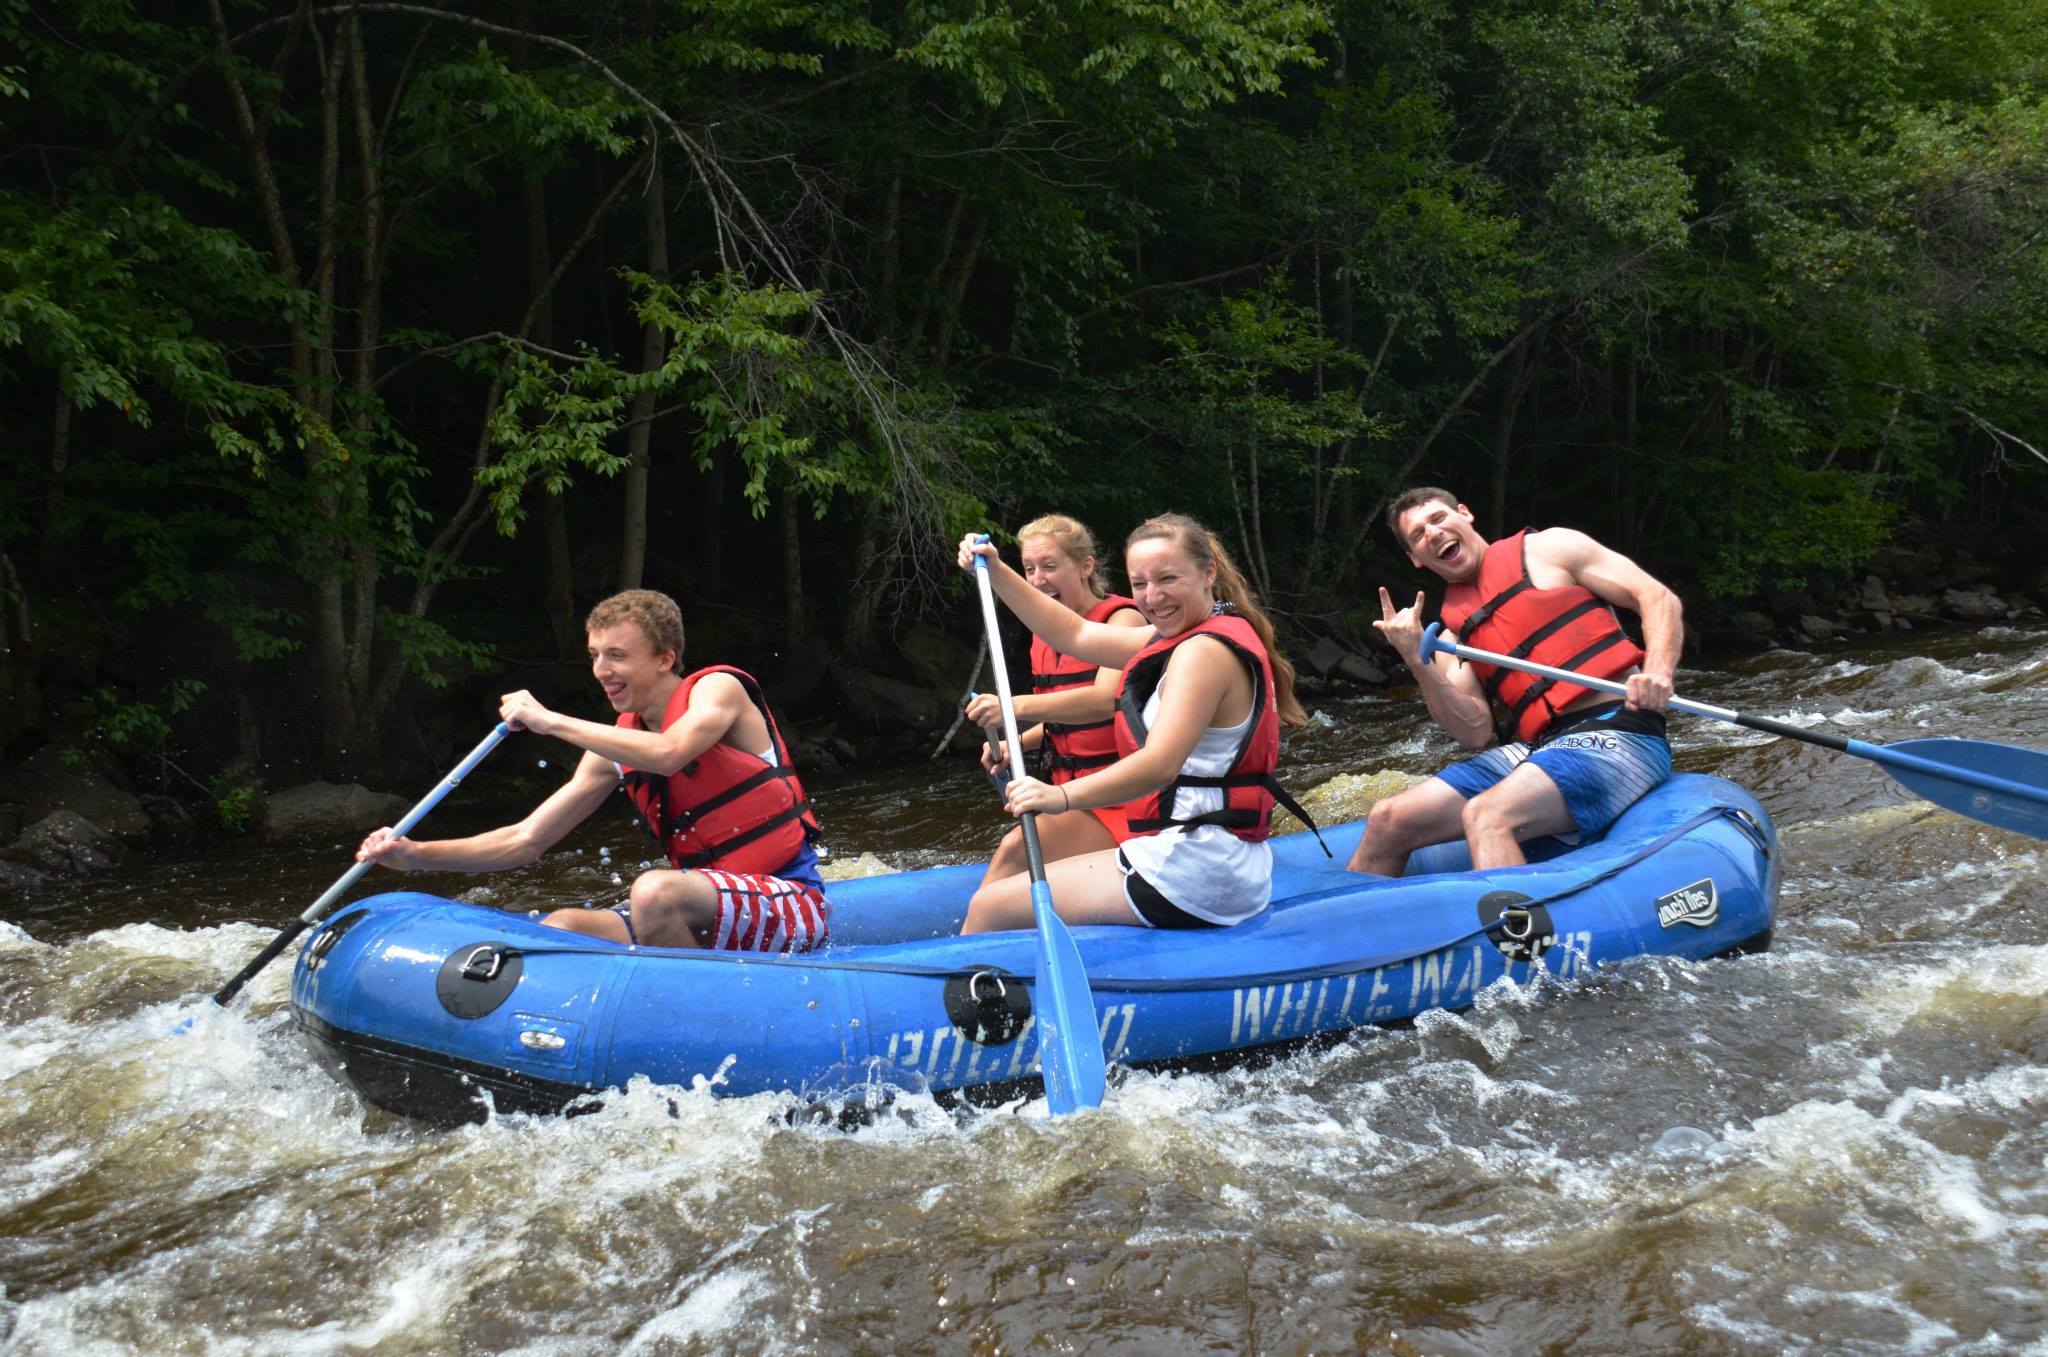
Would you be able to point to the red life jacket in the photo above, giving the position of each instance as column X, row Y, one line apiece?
column 725, row 807
column 1249, row 789
column 1071, row 750
column 1568, row 628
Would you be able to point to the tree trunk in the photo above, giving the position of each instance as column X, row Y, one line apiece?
column 558, row 588
column 857, row 639
column 789, row 509
column 1521, row 376
column 891, row 247
column 365, row 738
column 53, row 545
column 957, row 296
column 711, row 525
column 1624, row 487
column 640, row 433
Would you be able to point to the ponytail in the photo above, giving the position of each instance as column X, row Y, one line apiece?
column 1232, row 589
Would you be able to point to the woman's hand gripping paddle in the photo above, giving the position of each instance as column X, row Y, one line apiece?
column 2000, row 784
column 1069, row 1042
column 318, row 909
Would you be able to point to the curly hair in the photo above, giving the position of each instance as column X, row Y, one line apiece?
column 656, row 614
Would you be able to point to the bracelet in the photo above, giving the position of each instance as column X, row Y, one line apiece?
column 1066, row 798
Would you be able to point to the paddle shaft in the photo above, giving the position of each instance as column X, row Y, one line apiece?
column 1002, row 779
column 1433, row 641
column 318, row 909
column 995, row 651
column 1070, row 1055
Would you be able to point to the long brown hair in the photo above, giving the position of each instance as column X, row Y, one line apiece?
column 1201, row 545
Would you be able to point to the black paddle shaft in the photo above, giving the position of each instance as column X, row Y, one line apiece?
column 263, row 958
column 1033, row 853
column 1838, row 743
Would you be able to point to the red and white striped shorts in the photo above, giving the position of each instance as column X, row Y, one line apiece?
column 760, row 913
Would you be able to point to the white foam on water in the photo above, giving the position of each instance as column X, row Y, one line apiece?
column 1845, row 717
column 723, row 1304
column 31, row 1045
column 850, row 869
column 1922, row 1334
column 1842, row 1151
column 42, row 1175
column 14, row 937
column 1954, row 984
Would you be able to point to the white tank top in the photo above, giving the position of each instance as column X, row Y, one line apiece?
column 1207, row 871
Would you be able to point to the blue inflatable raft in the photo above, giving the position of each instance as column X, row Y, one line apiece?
column 435, row 1009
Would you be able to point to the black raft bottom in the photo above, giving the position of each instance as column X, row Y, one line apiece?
column 429, row 1087
column 448, row 1091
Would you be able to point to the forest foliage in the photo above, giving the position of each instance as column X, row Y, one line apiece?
column 336, row 338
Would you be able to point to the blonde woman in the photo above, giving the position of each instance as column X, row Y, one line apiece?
column 1201, row 697
column 1071, row 704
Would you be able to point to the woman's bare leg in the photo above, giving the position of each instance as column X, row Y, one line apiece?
column 1085, row 890
column 1068, row 834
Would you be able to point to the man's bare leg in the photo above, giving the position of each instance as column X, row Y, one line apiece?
column 1429, row 812
column 1525, row 804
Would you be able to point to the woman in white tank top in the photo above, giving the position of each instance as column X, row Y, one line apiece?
column 1196, row 720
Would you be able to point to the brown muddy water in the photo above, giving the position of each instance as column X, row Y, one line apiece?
column 1835, row 1147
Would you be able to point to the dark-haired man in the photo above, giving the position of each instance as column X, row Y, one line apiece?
column 1576, row 757
column 703, row 763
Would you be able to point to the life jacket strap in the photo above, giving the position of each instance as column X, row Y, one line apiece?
column 741, row 840
column 1538, row 689
column 1487, row 609
column 683, row 819
column 1076, row 763
column 1230, row 817
column 1062, row 678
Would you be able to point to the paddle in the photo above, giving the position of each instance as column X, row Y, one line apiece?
column 1999, row 784
column 1069, row 1042
column 318, row 909
column 1001, row 780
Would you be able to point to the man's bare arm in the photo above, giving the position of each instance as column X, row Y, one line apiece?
column 1621, row 581
column 512, row 845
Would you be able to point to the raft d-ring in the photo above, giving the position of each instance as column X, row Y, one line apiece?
column 991, row 1016
column 1517, row 923
column 484, row 963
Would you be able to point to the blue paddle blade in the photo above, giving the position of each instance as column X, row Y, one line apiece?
column 1069, row 1043
column 2000, row 784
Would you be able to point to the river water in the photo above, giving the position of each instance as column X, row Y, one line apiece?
column 1835, row 1147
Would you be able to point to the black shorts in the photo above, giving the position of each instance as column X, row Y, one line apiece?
column 1614, row 718
column 1154, row 908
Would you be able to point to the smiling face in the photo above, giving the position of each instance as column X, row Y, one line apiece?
column 1052, row 572
column 1173, row 592
column 1441, row 539
column 635, row 677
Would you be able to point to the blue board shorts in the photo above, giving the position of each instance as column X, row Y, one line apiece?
column 1603, row 759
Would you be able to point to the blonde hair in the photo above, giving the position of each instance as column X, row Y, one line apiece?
column 657, row 616
column 1201, row 545
column 1075, row 542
